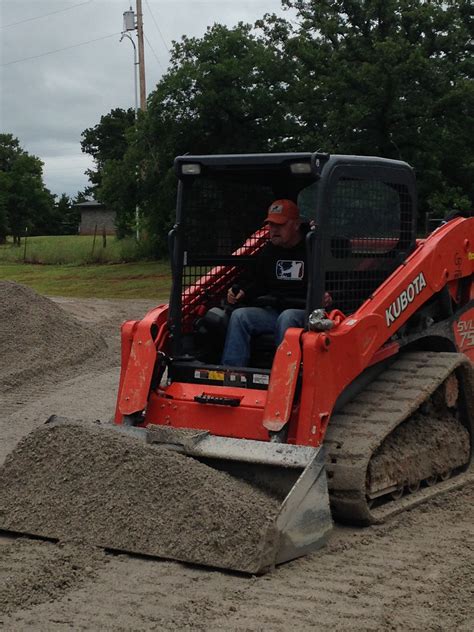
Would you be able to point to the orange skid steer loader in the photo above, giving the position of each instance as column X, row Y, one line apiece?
column 364, row 412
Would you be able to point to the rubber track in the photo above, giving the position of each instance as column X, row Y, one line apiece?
column 359, row 429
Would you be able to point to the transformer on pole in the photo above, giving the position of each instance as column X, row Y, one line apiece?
column 134, row 22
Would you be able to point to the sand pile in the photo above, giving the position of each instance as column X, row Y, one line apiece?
column 37, row 336
column 78, row 481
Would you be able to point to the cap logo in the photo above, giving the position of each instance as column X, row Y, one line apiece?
column 276, row 208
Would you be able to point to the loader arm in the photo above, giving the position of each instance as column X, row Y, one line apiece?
column 332, row 360
column 139, row 350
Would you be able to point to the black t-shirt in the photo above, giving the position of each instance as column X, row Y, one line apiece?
column 279, row 272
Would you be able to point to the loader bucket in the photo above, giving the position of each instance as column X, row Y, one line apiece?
column 174, row 494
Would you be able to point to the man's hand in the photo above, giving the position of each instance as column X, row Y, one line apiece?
column 232, row 298
column 327, row 301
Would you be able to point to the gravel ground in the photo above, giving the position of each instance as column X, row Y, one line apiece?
column 414, row 573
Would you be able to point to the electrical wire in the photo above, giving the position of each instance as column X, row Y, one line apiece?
column 38, row 17
column 158, row 28
column 153, row 51
column 58, row 50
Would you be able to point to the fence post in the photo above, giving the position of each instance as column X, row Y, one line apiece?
column 24, row 245
column 93, row 241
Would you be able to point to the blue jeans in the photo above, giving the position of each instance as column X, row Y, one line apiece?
column 246, row 322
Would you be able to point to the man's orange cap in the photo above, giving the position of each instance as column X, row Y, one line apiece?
column 280, row 211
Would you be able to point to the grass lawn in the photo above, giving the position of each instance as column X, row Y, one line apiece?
column 77, row 249
column 78, row 266
column 150, row 279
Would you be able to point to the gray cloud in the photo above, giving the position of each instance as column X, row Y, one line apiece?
column 48, row 100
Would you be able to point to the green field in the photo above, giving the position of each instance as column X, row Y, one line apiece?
column 123, row 280
column 76, row 249
column 74, row 266
column 126, row 280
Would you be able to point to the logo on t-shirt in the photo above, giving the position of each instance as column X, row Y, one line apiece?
column 289, row 270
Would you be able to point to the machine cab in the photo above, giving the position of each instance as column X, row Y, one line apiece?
column 358, row 223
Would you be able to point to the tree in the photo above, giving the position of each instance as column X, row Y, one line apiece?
column 107, row 140
column 119, row 192
column 25, row 200
column 68, row 216
column 385, row 77
column 3, row 209
column 114, row 179
column 224, row 93
column 391, row 78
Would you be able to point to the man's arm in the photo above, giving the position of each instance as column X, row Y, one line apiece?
column 252, row 282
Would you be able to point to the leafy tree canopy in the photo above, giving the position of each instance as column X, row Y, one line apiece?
column 25, row 202
column 225, row 92
column 391, row 78
column 375, row 77
column 67, row 215
column 107, row 140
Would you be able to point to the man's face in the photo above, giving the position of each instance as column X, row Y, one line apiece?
column 285, row 235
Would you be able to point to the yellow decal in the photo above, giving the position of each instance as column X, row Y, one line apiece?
column 216, row 375
column 470, row 256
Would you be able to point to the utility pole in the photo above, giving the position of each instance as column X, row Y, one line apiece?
column 141, row 55
column 129, row 24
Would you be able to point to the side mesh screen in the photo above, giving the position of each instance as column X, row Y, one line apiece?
column 222, row 230
column 221, row 214
column 369, row 233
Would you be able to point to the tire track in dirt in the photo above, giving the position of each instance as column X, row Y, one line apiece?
column 86, row 396
column 408, row 575
column 390, row 577
column 33, row 572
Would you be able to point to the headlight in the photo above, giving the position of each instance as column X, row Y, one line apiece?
column 300, row 167
column 191, row 169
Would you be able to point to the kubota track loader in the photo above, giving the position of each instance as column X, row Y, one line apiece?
column 372, row 402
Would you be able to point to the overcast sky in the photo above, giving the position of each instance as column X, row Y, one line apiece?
column 48, row 96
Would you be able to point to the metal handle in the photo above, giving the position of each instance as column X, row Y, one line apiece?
column 219, row 401
column 171, row 244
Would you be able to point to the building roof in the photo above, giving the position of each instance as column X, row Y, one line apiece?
column 90, row 204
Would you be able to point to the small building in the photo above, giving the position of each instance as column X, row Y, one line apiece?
column 96, row 218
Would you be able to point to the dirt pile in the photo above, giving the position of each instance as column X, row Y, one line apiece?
column 37, row 336
column 82, row 481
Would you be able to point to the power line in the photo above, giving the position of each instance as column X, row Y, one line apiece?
column 158, row 28
column 58, row 50
column 38, row 17
column 153, row 51
column 51, row 168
